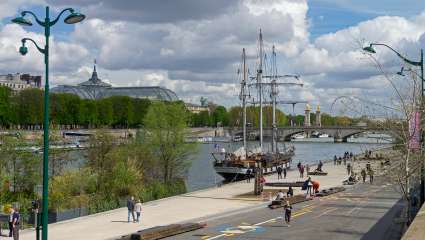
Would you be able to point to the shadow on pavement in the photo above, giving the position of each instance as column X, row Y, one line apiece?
column 386, row 228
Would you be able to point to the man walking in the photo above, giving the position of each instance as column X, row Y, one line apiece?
column 279, row 172
column 11, row 222
column 248, row 175
column 363, row 173
column 288, row 210
column 371, row 176
column 348, row 169
column 15, row 224
column 302, row 171
column 284, row 173
column 130, row 207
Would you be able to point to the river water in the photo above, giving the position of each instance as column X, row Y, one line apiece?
column 202, row 175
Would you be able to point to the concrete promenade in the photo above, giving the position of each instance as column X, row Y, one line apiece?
column 195, row 206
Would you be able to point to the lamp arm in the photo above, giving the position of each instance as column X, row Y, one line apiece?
column 43, row 51
column 41, row 23
column 398, row 54
column 71, row 10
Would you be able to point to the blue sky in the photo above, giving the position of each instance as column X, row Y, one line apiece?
column 332, row 15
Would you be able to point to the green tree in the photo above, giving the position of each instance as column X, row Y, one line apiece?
column 220, row 115
column 5, row 106
column 165, row 125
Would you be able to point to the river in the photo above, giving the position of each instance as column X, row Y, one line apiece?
column 201, row 174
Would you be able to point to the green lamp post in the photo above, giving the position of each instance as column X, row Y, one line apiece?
column 420, row 64
column 72, row 18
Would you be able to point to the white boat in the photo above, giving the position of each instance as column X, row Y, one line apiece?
column 298, row 136
column 323, row 135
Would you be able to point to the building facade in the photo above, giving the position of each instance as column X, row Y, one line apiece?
column 18, row 82
column 95, row 88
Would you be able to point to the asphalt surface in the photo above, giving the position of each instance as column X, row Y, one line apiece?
column 363, row 211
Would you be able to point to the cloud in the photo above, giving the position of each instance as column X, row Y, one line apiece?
column 193, row 47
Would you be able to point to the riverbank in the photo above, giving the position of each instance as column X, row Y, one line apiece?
column 196, row 206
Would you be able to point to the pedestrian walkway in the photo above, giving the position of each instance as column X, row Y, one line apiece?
column 183, row 208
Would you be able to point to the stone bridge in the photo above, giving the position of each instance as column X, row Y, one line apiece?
column 339, row 133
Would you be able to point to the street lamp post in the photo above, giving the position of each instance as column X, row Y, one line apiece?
column 420, row 64
column 72, row 18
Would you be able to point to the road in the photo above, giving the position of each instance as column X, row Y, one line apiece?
column 363, row 211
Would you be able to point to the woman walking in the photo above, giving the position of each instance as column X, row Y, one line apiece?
column 138, row 209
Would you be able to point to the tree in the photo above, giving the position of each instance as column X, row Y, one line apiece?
column 5, row 106
column 165, row 126
column 221, row 116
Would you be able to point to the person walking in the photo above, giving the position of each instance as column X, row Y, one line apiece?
column 279, row 172
column 16, row 223
column 130, row 208
column 11, row 222
column 288, row 210
column 363, row 173
column 309, row 186
column 307, row 168
column 248, row 175
column 371, row 176
column 302, row 171
column 138, row 209
column 284, row 172
column 335, row 159
column 348, row 169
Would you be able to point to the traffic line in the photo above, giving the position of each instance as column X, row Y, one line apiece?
column 305, row 210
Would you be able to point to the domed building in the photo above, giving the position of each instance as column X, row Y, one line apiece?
column 95, row 88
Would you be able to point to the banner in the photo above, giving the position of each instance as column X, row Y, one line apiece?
column 415, row 131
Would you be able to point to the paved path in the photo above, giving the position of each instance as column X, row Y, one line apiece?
column 362, row 212
column 188, row 207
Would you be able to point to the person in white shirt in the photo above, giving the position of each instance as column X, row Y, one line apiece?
column 138, row 209
column 280, row 195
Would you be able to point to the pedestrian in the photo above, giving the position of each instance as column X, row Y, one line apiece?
column 16, row 223
column 363, row 173
column 302, row 171
column 248, row 175
column 309, row 186
column 284, row 173
column 335, row 159
column 138, row 209
column 280, row 195
column 279, row 172
column 307, row 168
column 339, row 160
column 288, row 210
column 11, row 222
column 316, row 186
column 371, row 176
column 290, row 192
column 319, row 166
column 348, row 169
column 130, row 208
column 368, row 166
column 351, row 155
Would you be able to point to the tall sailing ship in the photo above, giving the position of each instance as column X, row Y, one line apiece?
column 234, row 166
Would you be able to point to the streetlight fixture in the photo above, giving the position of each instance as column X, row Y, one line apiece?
column 72, row 18
column 420, row 64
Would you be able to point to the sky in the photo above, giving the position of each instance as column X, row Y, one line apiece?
column 193, row 47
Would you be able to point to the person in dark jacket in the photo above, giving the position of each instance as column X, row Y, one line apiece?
column 130, row 207
column 16, row 219
column 279, row 172
column 288, row 210
column 290, row 192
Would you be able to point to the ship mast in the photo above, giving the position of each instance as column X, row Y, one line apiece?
column 260, row 87
column 243, row 98
column 273, row 95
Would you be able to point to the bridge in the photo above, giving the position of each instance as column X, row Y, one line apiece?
column 339, row 133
